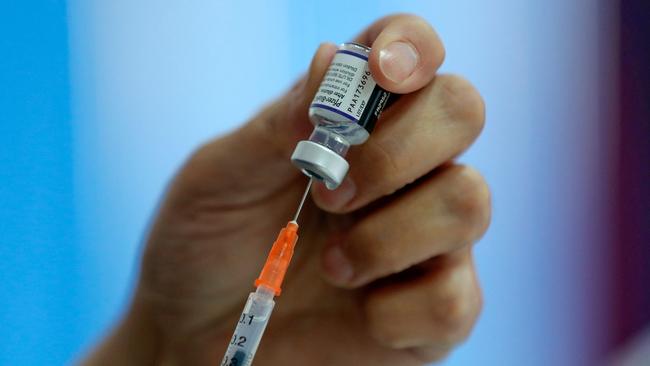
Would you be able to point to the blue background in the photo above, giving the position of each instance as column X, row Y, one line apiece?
column 101, row 101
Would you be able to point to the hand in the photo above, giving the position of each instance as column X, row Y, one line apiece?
column 383, row 271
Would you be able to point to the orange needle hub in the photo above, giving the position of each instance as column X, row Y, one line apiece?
column 279, row 258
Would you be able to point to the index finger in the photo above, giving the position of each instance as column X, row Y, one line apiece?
column 406, row 52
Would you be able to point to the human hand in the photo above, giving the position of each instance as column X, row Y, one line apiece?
column 383, row 271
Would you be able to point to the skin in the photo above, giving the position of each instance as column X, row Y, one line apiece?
column 405, row 220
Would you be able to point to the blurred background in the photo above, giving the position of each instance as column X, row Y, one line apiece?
column 101, row 101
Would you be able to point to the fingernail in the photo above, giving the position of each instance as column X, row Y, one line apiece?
column 398, row 61
column 339, row 197
column 337, row 265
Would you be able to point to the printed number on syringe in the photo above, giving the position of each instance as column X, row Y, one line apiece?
column 232, row 362
column 246, row 319
column 243, row 319
column 238, row 342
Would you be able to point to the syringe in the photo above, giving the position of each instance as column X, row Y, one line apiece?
column 339, row 123
column 257, row 311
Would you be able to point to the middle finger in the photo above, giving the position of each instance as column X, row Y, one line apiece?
column 419, row 132
column 444, row 212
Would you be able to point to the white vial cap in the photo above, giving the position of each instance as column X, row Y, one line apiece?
column 320, row 162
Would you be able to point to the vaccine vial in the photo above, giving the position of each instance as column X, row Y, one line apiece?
column 344, row 112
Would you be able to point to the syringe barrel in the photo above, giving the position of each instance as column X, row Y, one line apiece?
column 250, row 328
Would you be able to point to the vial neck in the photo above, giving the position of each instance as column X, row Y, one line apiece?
column 330, row 139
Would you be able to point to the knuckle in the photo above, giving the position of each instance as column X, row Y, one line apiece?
column 374, row 164
column 462, row 102
column 187, row 177
column 387, row 334
column 415, row 20
column 458, row 304
column 373, row 250
column 428, row 355
column 407, row 18
column 470, row 202
column 387, row 158
column 455, row 317
column 381, row 323
column 384, row 164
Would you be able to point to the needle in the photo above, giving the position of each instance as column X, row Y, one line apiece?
column 302, row 201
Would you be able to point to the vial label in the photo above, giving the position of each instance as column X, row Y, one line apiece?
column 348, row 93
